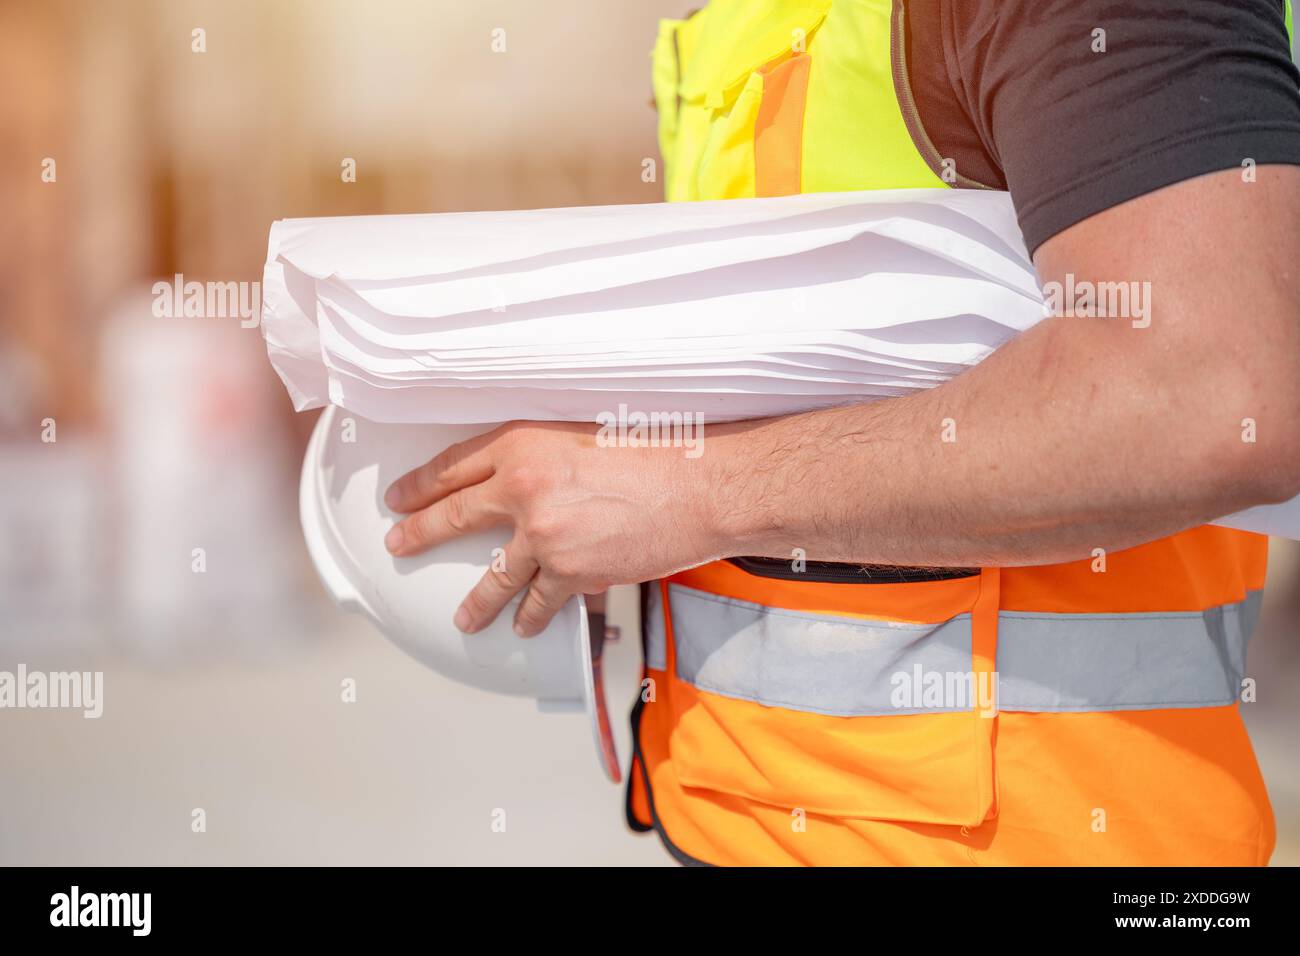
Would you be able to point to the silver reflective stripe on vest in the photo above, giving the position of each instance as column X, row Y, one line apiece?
column 656, row 651
column 1083, row 662
column 848, row 667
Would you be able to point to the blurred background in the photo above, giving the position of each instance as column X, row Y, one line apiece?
column 222, row 689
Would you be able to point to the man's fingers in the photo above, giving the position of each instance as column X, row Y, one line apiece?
column 459, row 513
column 543, row 601
column 457, row 466
column 496, row 589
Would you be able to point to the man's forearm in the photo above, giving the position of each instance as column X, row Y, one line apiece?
column 1027, row 459
column 1082, row 433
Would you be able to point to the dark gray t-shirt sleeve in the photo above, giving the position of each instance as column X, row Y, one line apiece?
column 1079, row 105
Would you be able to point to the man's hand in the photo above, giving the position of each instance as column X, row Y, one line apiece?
column 585, row 517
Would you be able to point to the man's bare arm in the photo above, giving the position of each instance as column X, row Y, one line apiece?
column 1081, row 433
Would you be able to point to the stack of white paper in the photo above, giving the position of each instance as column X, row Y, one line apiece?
column 729, row 310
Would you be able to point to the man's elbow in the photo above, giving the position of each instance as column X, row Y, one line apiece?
column 1259, row 446
column 1277, row 481
column 1282, row 482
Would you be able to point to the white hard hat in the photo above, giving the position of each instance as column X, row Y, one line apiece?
column 350, row 462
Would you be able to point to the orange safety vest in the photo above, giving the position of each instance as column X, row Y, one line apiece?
column 816, row 714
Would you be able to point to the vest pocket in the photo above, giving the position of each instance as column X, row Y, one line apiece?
column 741, row 83
column 839, row 714
column 725, row 169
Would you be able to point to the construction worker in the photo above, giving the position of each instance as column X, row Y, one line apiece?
column 834, row 592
